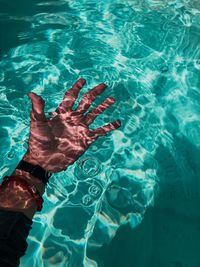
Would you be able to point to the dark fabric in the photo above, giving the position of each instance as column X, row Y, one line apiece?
column 35, row 170
column 14, row 230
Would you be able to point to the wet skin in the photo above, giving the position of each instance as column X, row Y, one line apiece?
column 57, row 142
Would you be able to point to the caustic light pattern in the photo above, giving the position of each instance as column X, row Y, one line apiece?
column 147, row 52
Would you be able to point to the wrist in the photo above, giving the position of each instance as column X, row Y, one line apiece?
column 30, row 159
column 39, row 161
column 32, row 169
column 32, row 180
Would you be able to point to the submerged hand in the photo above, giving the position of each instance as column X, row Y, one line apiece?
column 58, row 142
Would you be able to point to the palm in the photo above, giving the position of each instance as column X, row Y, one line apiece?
column 57, row 142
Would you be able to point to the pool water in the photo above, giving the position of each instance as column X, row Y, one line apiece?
column 132, row 200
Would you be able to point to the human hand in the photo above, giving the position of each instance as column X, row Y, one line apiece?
column 58, row 142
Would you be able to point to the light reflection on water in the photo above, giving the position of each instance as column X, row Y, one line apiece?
column 148, row 54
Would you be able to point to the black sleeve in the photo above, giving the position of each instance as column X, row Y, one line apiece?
column 14, row 230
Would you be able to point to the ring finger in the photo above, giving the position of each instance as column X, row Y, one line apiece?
column 90, row 117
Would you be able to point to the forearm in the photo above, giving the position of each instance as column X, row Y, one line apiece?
column 11, row 198
column 17, row 208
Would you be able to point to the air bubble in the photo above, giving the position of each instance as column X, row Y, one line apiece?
column 94, row 190
column 88, row 167
column 87, row 200
column 11, row 154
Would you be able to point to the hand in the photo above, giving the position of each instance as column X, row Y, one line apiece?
column 58, row 142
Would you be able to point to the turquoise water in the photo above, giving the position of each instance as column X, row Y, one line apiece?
column 132, row 200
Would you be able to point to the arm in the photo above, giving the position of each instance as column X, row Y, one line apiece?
column 16, row 219
column 11, row 198
column 54, row 144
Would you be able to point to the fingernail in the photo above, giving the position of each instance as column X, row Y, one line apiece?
column 104, row 84
column 82, row 80
column 30, row 94
column 112, row 99
column 118, row 123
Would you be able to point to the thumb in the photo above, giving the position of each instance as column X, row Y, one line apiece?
column 38, row 104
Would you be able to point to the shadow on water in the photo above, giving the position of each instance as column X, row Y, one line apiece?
column 169, row 235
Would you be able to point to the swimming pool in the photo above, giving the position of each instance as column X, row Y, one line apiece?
column 148, row 53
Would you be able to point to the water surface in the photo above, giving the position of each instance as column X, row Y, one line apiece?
column 146, row 174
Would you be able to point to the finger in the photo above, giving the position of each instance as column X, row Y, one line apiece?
column 38, row 104
column 90, row 117
column 106, row 129
column 70, row 96
column 90, row 97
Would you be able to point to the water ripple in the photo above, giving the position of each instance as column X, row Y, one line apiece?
column 148, row 54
